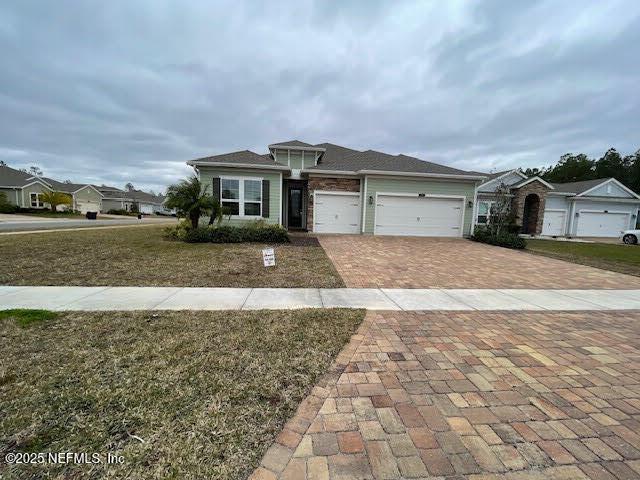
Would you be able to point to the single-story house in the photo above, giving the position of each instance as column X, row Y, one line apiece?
column 327, row 188
column 592, row 208
column 147, row 203
column 22, row 188
column 25, row 190
column 85, row 198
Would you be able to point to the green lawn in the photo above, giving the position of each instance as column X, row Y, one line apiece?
column 137, row 256
column 183, row 395
column 617, row 258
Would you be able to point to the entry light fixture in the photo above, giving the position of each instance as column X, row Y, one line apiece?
column 370, row 199
column 470, row 203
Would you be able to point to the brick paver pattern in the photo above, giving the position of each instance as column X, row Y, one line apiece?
column 366, row 261
column 472, row 395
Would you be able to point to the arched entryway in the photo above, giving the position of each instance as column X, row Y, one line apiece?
column 531, row 212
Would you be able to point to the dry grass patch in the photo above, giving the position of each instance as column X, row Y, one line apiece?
column 178, row 394
column 141, row 257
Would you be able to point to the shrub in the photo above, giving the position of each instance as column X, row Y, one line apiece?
column 254, row 232
column 120, row 211
column 5, row 205
column 505, row 239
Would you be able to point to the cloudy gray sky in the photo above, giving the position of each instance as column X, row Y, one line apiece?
column 118, row 91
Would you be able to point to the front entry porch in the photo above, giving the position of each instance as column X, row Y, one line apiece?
column 294, row 205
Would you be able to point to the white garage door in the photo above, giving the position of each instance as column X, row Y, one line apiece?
column 336, row 212
column 146, row 209
column 601, row 224
column 554, row 222
column 87, row 206
column 419, row 216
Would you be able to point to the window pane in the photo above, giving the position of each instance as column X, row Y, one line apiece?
column 483, row 208
column 230, row 188
column 251, row 208
column 231, row 208
column 252, row 191
column 482, row 219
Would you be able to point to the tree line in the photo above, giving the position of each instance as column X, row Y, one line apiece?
column 577, row 167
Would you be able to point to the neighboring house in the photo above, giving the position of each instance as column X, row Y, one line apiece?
column 116, row 199
column 84, row 198
column 327, row 188
column 25, row 190
column 148, row 203
column 592, row 208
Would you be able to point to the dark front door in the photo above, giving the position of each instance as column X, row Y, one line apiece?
column 295, row 207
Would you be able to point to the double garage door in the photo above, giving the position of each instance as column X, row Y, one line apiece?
column 601, row 224
column 340, row 212
column 419, row 216
column 88, row 206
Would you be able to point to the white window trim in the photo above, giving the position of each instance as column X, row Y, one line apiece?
column 38, row 204
column 490, row 202
column 241, row 200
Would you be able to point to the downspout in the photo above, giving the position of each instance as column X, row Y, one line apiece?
column 571, row 215
column 474, row 208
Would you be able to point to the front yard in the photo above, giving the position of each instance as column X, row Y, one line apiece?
column 617, row 258
column 176, row 394
column 141, row 257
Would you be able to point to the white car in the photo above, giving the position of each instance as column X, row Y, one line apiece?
column 630, row 237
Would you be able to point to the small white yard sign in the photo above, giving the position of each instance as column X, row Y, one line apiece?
column 269, row 257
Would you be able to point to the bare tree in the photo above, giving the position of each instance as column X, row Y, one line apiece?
column 35, row 171
column 500, row 214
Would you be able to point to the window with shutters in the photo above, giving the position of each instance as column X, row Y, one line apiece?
column 242, row 197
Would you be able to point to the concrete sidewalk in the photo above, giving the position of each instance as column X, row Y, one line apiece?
column 177, row 298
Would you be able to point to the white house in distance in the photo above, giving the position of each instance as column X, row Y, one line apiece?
column 593, row 208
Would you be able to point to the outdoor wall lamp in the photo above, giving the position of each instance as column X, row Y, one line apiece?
column 370, row 199
column 470, row 203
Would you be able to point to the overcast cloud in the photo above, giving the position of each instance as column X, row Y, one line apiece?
column 118, row 91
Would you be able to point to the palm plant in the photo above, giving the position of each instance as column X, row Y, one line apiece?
column 190, row 199
column 55, row 198
column 218, row 212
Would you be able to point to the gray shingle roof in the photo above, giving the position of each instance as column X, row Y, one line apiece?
column 241, row 157
column 578, row 187
column 64, row 187
column 10, row 177
column 292, row 143
column 334, row 152
column 373, row 160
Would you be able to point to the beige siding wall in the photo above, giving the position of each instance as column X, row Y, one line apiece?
column 27, row 191
column 12, row 195
column 430, row 187
column 275, row 184
column 88, row 194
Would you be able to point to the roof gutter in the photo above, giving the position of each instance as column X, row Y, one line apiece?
column 294, row 147
column 393, row 173
column 329, row 172
column 420, row 174
column 195, row 163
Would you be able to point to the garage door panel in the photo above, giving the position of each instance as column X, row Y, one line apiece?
column 84, row 207
column 336, row 213
column 601, row 224
column 418, row 216
column 554, row 222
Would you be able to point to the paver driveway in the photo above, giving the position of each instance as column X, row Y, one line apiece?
column 411, row 262
column 473, row 395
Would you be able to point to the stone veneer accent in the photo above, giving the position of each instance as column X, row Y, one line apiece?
column 328, row 183
column 517, row 203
